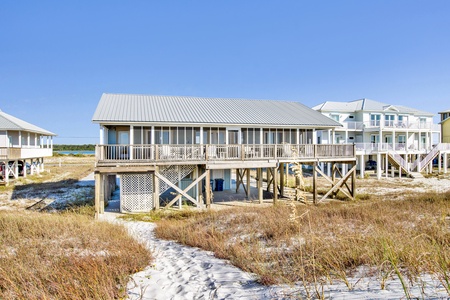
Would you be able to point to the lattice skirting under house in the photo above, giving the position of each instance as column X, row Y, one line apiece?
column 136, row 192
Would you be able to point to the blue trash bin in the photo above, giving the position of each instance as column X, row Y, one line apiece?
column 219, row 184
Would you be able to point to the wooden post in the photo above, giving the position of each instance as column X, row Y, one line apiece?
column 333, row 173
column 200, row 187
column 260, row 185
column 386, row 167
column 6, row 172
column 248, row 183
column 315, row 182
column 269, row 178
column 24, row 168
column 361, row 166
column 275, row 185
column 238, row 180
column 439, row 162
column 379, row 161
column 156, row 190
column 102, row 194
column 208, row 189
column 179, row 185
column 98, row 188
column 353, row 192
column 445, row 163
column 16, row 169
column 282, row 179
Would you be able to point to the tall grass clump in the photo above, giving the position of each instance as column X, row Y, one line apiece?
column 319, row 244
column 65, row 256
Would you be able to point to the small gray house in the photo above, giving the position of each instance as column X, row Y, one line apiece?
column 156, row 143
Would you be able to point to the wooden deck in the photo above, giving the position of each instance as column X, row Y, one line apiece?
column 117, row 155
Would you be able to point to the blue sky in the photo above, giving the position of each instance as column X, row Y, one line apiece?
column 58, row 57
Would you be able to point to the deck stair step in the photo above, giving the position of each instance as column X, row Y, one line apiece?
column 416, row 175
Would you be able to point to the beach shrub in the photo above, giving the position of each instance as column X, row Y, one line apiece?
column 65, row 256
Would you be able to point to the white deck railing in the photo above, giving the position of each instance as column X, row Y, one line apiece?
column 355, row 125
column 153, row 153
column 368, row 148
column 24, row 152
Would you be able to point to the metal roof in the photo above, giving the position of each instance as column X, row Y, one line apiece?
column 367, row 105
column 126, row 108
column 8, row 122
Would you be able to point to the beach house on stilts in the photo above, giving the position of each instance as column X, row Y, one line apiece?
column 402, row 139
column 157, row 143
column 23, row 147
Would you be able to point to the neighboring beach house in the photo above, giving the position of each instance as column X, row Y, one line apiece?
column 157, row 143
column 445, row 126
column 385, row 135
column 23, row 147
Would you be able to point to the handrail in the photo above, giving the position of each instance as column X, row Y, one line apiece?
column 400, row 125
column 399, row 159
column 208, row 152
column 374, row 147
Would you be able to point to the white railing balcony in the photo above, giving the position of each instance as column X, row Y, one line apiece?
column 436, row 127
column 11, row 153
column 353, row 125
column 369, row 148
column 389, row 124
column 198, row 153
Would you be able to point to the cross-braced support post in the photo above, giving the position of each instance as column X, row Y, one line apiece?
column 336, row 185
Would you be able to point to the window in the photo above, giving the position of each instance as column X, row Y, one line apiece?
column 257, row 136
column 197, row 135
column 181, row 133
column 402, row 139
column 389, row 120
column 174, row 135
column 222, row 132
column 206, row 136
column 165, row 135
column 400, row 121
column 189, row 135
column 423, row 122
column 374, row 138
column 335, row 117
column 375, row 120
column 388, row 139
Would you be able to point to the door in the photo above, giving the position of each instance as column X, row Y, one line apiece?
column 123, row 138
column 233, row 137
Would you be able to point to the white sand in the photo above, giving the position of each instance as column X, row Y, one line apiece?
column 181, row 272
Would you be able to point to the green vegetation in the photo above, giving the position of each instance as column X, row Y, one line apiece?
column 85, row 147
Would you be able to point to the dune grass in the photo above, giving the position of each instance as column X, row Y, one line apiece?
column 314, row 244
column 65, row 256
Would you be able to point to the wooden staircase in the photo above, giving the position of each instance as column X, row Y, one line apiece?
column 398, row 161
column 421, row 164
